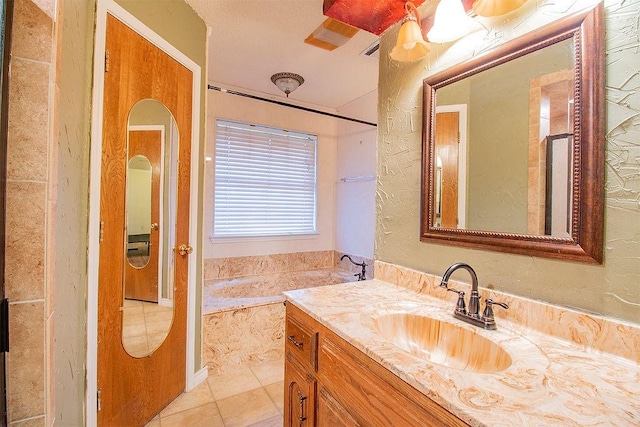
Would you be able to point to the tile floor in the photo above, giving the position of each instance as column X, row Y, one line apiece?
column 251, row 396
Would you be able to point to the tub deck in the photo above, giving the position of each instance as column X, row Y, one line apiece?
column 252, row 291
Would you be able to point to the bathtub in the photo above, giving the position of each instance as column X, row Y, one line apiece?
column 243, row 318
column 231, row 294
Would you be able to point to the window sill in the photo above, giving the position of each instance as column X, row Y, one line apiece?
column 247, row 239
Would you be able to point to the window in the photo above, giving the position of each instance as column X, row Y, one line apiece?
column 265, row 181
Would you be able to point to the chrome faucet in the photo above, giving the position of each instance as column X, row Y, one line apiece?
column 362, row 274
column 472, row 315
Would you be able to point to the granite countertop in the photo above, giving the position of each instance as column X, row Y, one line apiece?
column 551, row 382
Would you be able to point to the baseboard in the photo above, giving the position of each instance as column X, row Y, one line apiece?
column 197, row 378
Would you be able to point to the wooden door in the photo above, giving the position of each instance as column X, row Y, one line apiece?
column 133, row 390
column 447, row 139
column 141, row 282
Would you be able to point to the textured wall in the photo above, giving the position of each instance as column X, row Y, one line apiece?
column 74, row 67
column 612, row 288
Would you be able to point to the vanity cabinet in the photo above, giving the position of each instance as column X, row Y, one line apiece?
column 301, row 357
column 328, row 382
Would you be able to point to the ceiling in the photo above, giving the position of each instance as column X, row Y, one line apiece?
column 252, row 39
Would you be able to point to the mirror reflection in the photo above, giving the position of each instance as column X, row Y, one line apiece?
column 150, row 227
column 504, row 149
column 139, row 220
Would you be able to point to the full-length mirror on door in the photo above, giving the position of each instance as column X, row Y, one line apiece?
column 151, row 186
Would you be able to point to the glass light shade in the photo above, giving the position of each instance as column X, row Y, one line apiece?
column 496, row 7
column 451, row 22
column 410, row 44
column 287, row 82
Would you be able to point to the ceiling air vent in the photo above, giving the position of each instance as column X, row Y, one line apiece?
column 372, row 51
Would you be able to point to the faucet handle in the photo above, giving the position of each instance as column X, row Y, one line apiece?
column 460, row 306
column 488, row 309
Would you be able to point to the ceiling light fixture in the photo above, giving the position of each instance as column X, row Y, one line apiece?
column 496, row 7
column 410, row 45
column 287, row 82
column 451, row 22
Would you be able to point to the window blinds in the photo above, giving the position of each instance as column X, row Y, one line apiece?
column 265, row 181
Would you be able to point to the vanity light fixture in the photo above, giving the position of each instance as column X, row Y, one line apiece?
column 451, row 22
column 410, row 45
column 287, row 82
column 496, row 7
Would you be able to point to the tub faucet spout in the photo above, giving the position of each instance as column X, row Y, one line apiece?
column 362, row 274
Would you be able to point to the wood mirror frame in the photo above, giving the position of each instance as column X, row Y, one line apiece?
column 586, row 241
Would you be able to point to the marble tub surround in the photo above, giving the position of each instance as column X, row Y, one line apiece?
column 248, row 291
column 243, row 317
column 224, row 268
column 586, row 331
column 236, row 338
column 550, row 381
column 346, row 265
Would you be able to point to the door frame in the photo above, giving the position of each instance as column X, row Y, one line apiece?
column 461, row 109
column 193, row 376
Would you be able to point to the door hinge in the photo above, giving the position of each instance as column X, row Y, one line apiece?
column 4, row 326
column 101, row 231
column 107, row 61
column 99, row 399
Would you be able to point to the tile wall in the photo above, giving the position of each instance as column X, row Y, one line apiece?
column 30, row 211
column 232, row 267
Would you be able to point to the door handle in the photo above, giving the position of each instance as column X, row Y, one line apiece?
column 154, row 226
column 184, row 249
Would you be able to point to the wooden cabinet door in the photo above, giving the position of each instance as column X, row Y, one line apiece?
column 299, row 395
column 331, row 413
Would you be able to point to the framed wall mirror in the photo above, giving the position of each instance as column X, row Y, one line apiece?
column 513, row 145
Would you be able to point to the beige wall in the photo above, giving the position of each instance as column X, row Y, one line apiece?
column 612, row 288
column 74, row 67
column 356, row 156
